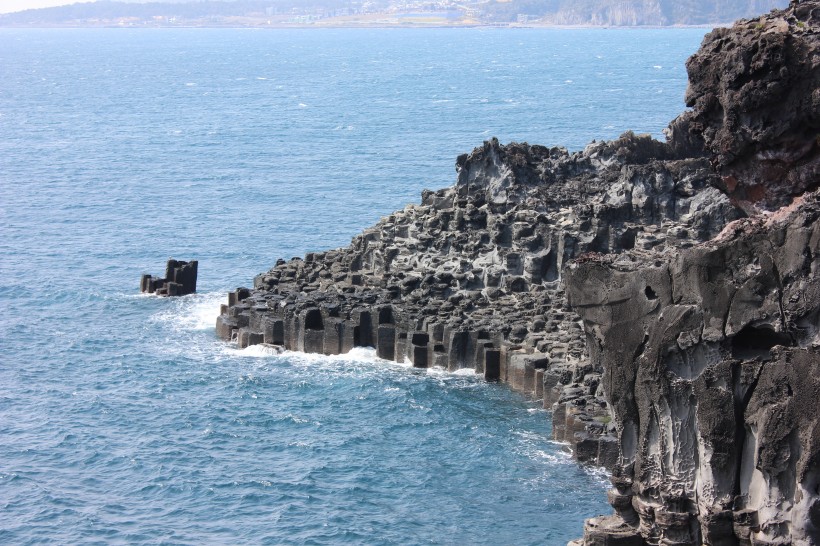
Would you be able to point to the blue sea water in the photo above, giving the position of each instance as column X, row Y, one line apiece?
column 124, row 420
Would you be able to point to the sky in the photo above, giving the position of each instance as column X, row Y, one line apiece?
column 8, row 6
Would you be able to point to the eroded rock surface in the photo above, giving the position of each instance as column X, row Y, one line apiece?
column 755, row 93
column 662, row 298
column 711, row 354
column 472, row 277
column 712, row 370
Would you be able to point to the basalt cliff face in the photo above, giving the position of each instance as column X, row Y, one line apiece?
column 661, row 298
column 712, row 371
column 472, row 277
column 711, row 354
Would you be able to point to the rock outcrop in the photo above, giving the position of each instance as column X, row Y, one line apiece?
column 662, row 298
column 179, row 280
column 711, row 354
column 713, row 375
column 755, row 94
column 472, row 277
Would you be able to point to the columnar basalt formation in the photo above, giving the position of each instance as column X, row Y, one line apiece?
column 179, row 280
column 674, row 337
column 472, row 277
column 711, row 354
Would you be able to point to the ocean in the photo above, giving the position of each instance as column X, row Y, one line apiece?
column 124, row 420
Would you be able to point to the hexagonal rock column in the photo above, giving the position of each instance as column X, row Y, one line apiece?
column 179, row 280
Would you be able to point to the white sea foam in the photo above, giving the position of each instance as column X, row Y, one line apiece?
column 202, row 313
column 599, row 473
column 529, row 435
column 553, row 457
column 192, row 312
column 357, row 354
column 260, row 351
column 365, row 354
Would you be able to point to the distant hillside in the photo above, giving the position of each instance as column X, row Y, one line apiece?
column 632, row 12
column 364, row 12
column 111, row 11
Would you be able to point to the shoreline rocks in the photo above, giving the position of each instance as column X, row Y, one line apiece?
column 179, row 280
column 712, row 353
column 661, row 298
column 713, row 378
column 472, row 277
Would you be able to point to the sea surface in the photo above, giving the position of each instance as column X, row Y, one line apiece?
column 123, row 420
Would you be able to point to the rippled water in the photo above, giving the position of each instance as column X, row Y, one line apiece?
column 123, row 419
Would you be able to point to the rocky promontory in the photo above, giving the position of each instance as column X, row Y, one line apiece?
column 473, row 276
column 712, row 353
column 661, row 298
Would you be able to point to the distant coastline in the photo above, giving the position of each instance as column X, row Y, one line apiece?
column 350, row 25
column 378, row 14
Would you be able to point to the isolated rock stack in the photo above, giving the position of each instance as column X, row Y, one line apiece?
column 674, row 337
column 179, row 280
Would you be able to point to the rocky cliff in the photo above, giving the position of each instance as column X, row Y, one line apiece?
column 630, row 12
column 475, row 271
column 712, row 371
column 662, row 298
column 711, row 354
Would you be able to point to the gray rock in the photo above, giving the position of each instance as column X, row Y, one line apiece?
column 674, row 338
column 179, row 280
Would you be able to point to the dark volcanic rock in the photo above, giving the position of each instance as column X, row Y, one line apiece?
column 179, row 280
column 472, row 277
column 711, row 354
column 713, row 373
column 675, row 337
column 755, row 94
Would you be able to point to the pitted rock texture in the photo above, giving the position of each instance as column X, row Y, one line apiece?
column 472, row 277
column 711, row 354
column 712, row 370
column 671, row 327
column 755, row 93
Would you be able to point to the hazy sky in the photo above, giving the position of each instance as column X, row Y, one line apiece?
column 7, row 6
